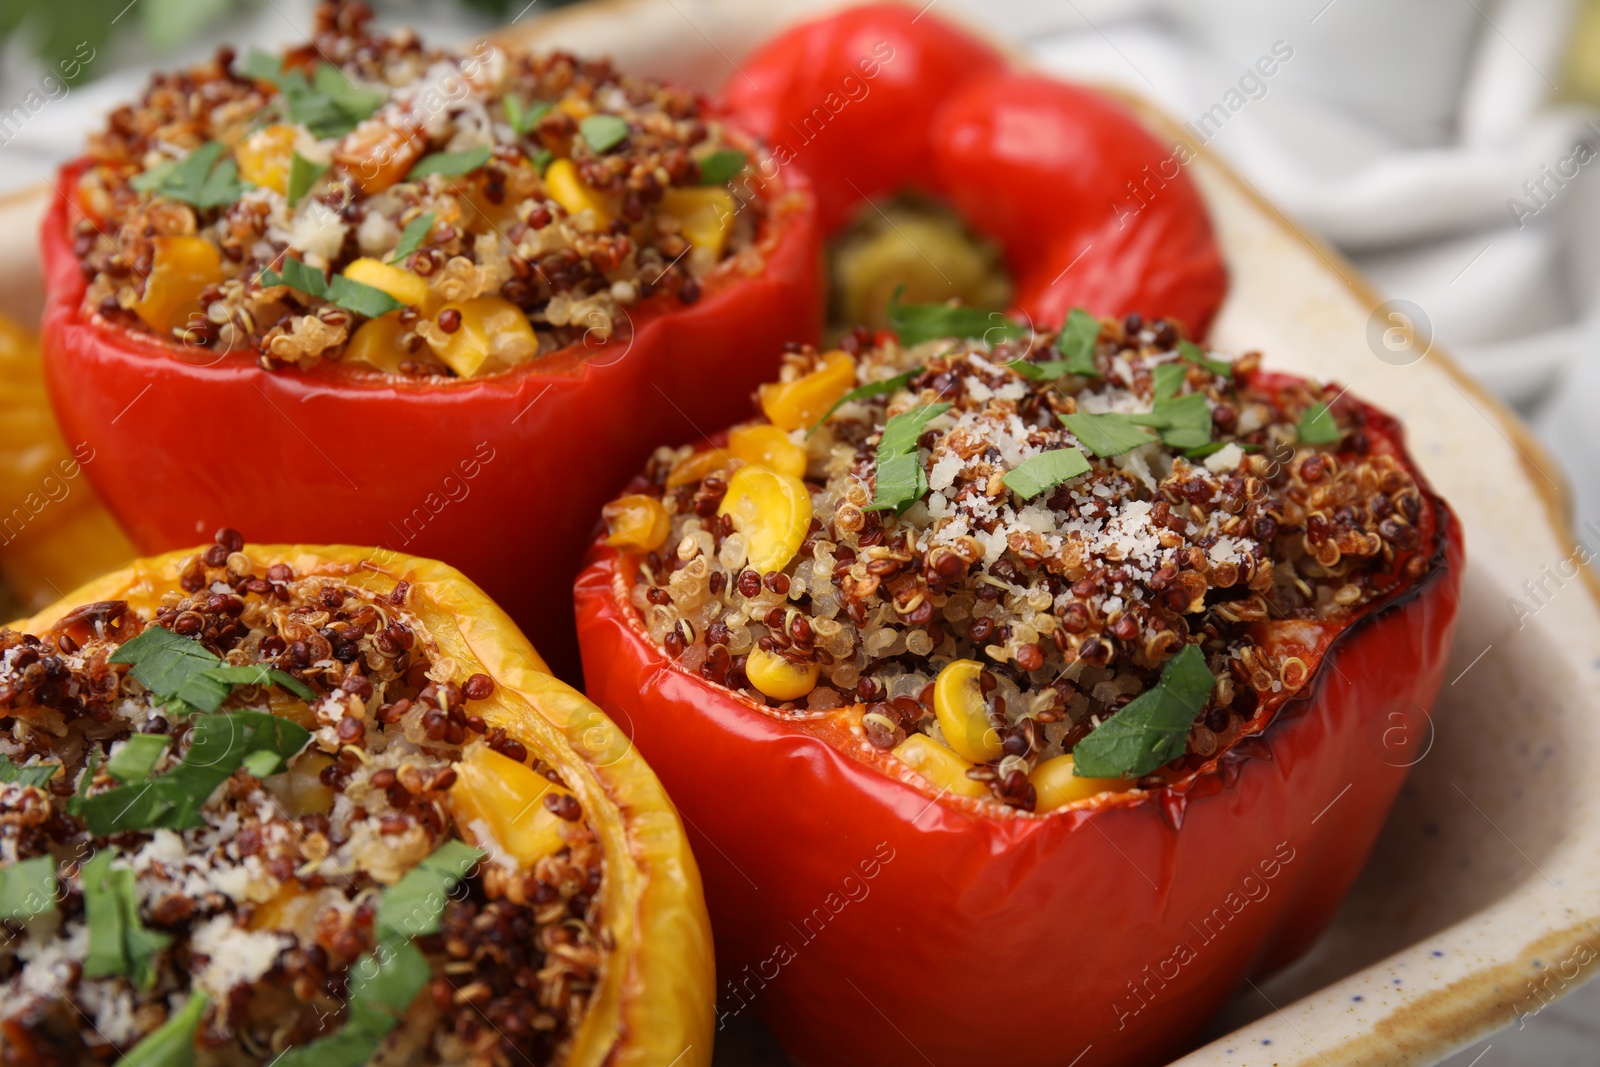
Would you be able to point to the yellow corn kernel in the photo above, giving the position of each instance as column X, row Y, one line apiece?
column 376, row 343
column 772, row 511
column 958, row 702
column 179, row 270
column 696, row 467
column 1055, row 785
column 767, row 446
column 797, row 405
column 264, row 157
column 777, row 677
column 300, row 791
column 494, row 334
column 636, row 522
column 704, row 214
column 401, row 284
column 567, row 189
column 939, row 765
column 495, row 793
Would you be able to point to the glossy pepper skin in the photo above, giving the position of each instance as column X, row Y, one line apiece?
column 1091, row 209
column 654, row 1003
column 54, row 533
column 501, row 476
column 1110, row 931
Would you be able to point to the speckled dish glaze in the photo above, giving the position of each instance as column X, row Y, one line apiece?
column 1481, row 903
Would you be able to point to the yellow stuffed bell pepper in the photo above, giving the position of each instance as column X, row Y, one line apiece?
column 54, row 533
column 338, row 813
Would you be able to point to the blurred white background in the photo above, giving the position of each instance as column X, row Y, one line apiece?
column 1446, row 146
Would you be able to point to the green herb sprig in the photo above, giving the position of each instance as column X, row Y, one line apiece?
column 916, row 323
column 198, row 179
column 1316, row 426
column 1153, row 728
column 865, row 392
column 722, row 166
column 28, row 888
column 1043, row 472
column 119, row 943
column 1106, row 434
column 450, row 164
column 900, row 480
column 351, row 295
column 37, row 775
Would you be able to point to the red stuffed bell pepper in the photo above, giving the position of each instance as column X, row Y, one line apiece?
column 1090, row 209
column 452, row 298
column 1035, row 700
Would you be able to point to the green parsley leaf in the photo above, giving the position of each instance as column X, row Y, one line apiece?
column 1168, row 379
column 28, row 888
column 864, row 392
column 722, row 166
column 137, row 757
column 916, row 323
column 1108, row 434
column 172, row 1043
column 1316, row 426
column 219, row 745
column 1076, row 341
column 263, row 764
column 1217, row 446
column 524, row 117
column 303, row 174
column 1036, row 474
column 412, row 236
column 542, row 159
column 450, row 164
column 350, row 295
column 166, row 663
column 900, row 480
column 901, row 432
column 386, row 982
column 1193, row 353
column 354, row 102
column 1153, row 728
column 1184, row 421
column 329, row 105
column 412, row 906
column 262, row 66
column 256, row 674
column 37, row 775
column 119, row 943
column 196, row 179
column 601, row 132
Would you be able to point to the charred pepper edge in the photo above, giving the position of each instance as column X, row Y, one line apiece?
column 655, row 997
column 1216, row 773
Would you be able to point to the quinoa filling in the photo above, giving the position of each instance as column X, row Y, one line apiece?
column 315, row 859
column 992, row 550
column 370, row 200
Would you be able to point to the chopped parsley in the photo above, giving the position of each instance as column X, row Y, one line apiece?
column 1183, row 421
column 198, row 179
column 1193, row 353
column 864, row 392
column 386, row 981
column 1167, row 379
column 603, row 132
column 185, row 675
column 524, row 117
column 27, row 888
column 137, row 757
column 172, row 1043
column 722, row 166
column 37, row 775
column 900, row 480
column 450, row 164
column 303, row 174
column 1076, row 342
column 219, row 745
column 119, row 943
column 412, row 236
column 1316, row 426
column 1108, row 434
column 1153, row 728
column 1036, row 474
column 329, row 104
column 351, row 295
column 916, row 323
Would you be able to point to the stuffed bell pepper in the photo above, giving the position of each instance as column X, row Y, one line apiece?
column 316, row 806
column 407, row 283
column 1029, row 692
column 1005, row 169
